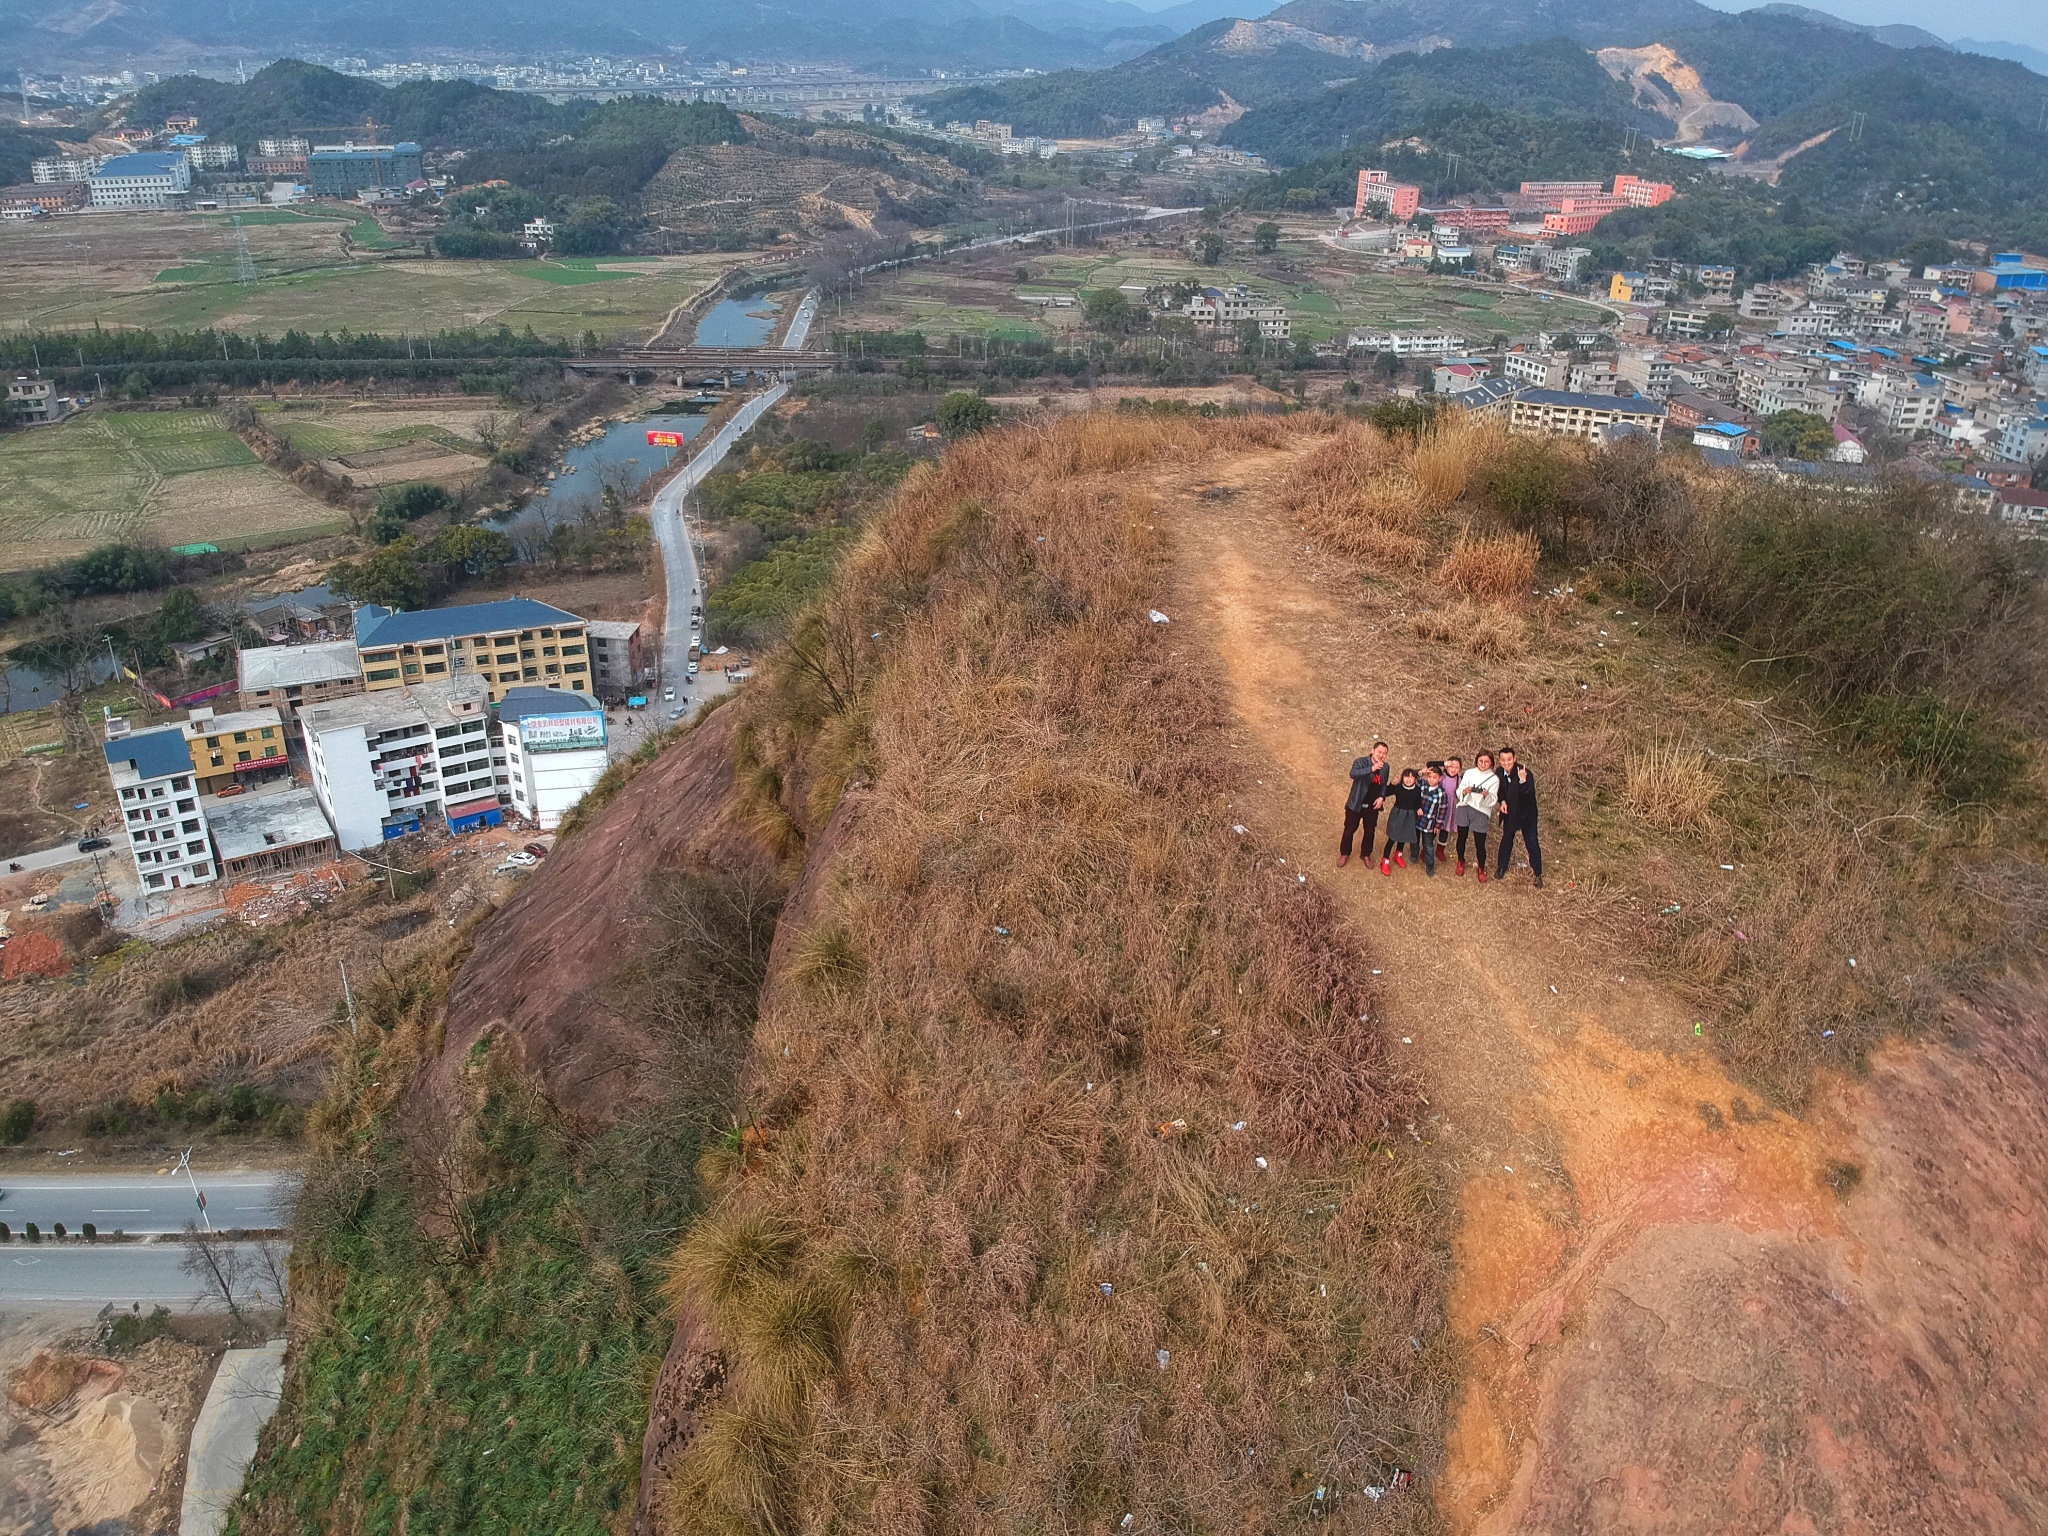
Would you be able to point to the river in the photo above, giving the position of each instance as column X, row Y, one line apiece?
column 747, row 321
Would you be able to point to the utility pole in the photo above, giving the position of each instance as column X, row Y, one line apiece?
column 198, row 1198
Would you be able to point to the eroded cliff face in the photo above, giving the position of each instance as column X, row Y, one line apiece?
column 550, row 976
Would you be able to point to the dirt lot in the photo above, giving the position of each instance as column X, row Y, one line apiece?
column 1683, row 1310
column 90, row 1442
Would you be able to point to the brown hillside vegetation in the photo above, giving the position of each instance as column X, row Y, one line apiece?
column 1086, row 1190
column 998, row 1259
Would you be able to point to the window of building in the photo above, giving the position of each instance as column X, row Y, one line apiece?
column 155, row 882
column 572, row 650
column 412, row 669
column 530, row 672
column 212, row 743
column 269, row 733
column 216, row 760
column 202, row 870
column 241, row 757
column 547, row 650
column 437, row 666
column 384, row 675
column 189, row 826
column 180, row 785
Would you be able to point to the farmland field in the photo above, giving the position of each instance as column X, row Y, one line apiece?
column 279, row 269
column 1326, row 294
column 177, row 477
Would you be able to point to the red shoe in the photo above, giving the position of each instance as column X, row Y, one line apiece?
column 1343, row 859
column 1386, row 868
column 1461, row 866
column 1401, row 858
column 1482, row 875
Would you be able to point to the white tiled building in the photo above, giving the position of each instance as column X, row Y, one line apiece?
column 161, row 811
column 554, row 750
column 385, row 764
column 150, row 179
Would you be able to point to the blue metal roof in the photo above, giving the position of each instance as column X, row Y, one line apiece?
column 526, row 701
column 377, row 626
column 1723, row 428
column 1634, row 404
column 346, row 151
column 146, row 162
column 153, row 753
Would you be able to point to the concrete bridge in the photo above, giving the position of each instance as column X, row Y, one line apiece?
column 695, row 363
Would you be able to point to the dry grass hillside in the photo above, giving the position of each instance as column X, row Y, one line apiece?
column 993, row 1253
column 1079, row 1185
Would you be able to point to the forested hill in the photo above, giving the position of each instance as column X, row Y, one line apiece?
column 291, row 97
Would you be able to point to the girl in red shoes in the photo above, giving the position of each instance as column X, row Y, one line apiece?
column 1404, row 818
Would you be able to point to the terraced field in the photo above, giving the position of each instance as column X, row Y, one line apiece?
column 178, row 477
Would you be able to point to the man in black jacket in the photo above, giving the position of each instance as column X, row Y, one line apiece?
column 1518, row 814
column 1370, row 780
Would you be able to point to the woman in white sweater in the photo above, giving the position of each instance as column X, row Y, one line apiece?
column 1478, row 794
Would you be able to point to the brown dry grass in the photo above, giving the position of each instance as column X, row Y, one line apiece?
column 1353, row 495
column 1669, row 782
column 1736, row 841
column 1080, row 1197
column 1494, row 569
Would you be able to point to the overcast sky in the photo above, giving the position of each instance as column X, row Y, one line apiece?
column 2013, row 21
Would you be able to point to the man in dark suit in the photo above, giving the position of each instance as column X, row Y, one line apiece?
column 1370, row 780
column 1518, row 815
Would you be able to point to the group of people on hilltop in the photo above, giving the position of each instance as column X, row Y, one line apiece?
column 1425, row 806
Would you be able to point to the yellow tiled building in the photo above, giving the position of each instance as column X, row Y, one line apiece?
column 518, row 641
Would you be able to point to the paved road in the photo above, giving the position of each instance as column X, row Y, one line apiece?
column 679, row 560
column 54, row 858
column 989, row 242
column 37, row 1274
column 142, row 1203
column 246, row 1391
column 800, row 325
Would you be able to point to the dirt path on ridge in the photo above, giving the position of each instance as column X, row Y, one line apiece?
column 1674, row 1323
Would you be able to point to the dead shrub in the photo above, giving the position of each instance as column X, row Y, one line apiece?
column 1494, row 569
column 1670, row 783
column 1353, row 496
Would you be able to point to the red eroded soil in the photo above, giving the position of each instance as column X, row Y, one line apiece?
column 1683, row 1312
column 541, row 973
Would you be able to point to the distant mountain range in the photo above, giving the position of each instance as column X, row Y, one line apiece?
column 1864, row 126
column 889, row 36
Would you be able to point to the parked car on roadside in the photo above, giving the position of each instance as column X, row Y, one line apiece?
column 94, row 844
column 521, row 860
column 538, row 850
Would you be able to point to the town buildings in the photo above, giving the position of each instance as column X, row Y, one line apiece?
column 157, row 793
column 288, row 678
column 502, row 644
column 1595, row 418
column 1375, row 190
column 554, row 750
column 267, row 834
column 391, row 762
column 617, row 658
column 243, row 747
column 343, row 170
column 34, row 401
column 148, row 179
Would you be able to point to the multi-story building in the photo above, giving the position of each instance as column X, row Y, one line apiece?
column 161, row 812
column 343, row 170
column 1595, row 418
column 1635, row 192
column 276, row 166
column 268, row 833
column 1375, row 189
column 65, row 167
column 209, row 156
column 1407, row 343
column 1237, row 305
column 33, row 401
column 1538, row 370
column 1717, row 282
column 2024, row 440
column 1554, row 192
column 245, row 747
column 288, row 678
column 1564, row 262
column 388, row 763
column 554, row 750
column 1904, row 402
column 1591, row 376
column 1647, row 369
column 616, row 657
column 502, row 644
column 155, row 178
column 288, row 148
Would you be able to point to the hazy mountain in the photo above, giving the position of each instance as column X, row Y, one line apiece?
column 2019, row 53
column 890, row 35
column 1892, row 36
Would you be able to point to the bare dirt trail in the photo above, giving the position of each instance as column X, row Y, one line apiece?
column 1675, row 1321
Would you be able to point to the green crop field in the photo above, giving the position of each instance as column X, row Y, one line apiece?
column 172, row 476
column 187, row 270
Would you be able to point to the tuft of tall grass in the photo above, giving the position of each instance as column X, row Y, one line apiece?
column 1670, row 783
column 1494, row 569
